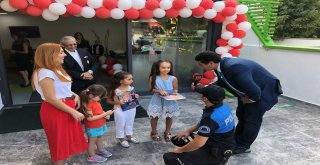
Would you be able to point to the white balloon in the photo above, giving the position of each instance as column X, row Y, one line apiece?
column 226, row 55
column 165, row 4
column 138, row 4
column 64, row 2
column 241, row 9
column 192, row 4
column 219, row 6
column 185, row 12
column 117, row 67
column 104, row 66
column 95, row 3
column 57, row 8
column 124, row 4
column 221, row 50
column 31, row 2
column 210, row 14
column 47, row 15
column 234, row 42
column 198, row 16
column 102, row 59
column 244, row 26
column 5, row 5
column 88, row 12
column 231, row 18
column 117, row 13
column 227, row 35
column 159, row 13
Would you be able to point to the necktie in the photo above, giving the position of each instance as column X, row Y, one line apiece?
column 241, row 94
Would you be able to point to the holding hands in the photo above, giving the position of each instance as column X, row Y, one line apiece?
column 86, row 76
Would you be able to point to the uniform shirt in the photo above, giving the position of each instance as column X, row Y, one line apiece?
column 62, row 89
column 96, row 109
column 217, row 123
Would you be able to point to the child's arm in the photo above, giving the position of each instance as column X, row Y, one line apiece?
column 152, row 89
column 175, row 85
column 96, row 117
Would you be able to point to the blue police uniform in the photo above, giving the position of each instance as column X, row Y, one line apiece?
column 217, row 123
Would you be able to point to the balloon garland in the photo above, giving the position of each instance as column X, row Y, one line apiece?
column 230, row 13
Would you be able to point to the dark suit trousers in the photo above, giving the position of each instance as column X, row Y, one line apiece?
column 249, row 123
column 80, row 85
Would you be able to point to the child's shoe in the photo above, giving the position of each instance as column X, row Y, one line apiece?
column 105, row 153
column 133, row 140
column 96, row 159
column 124, row 144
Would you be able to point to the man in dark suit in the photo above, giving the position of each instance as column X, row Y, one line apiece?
column 79, row 64
column 256, row 88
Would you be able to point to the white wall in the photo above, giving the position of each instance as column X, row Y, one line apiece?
column 53, row 31
column 298, row 71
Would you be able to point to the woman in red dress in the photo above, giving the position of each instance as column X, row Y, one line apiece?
column 60, row 119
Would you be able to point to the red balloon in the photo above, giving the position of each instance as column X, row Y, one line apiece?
column 228, row 11
column 132, row 14
column 231, row 3
column 80, row 2
column 232, row 27
column 206, row 4
column 34, row 11
column 110, row 4
column 241, row 18
column 239, row 34
column 178, row 4
column 152, row 4
column 145, row 13
column 43, row 4
column 234, row 52
column 209, row 74
column 205, row 81
column 102, row 13
column 73, row 9
column 199, row 11
column 219, row 18
column 21, row 4
column 221, row 42
column 238, row 47
column 172, row 13
column 110, row 72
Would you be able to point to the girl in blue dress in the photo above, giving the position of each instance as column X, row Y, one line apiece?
column 162, row 83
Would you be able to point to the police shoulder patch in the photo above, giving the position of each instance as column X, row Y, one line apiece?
column 204, row 129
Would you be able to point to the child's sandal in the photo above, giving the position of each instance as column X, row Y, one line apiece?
column 155, row 137
column 167, row 136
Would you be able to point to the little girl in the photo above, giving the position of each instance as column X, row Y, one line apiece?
column 162, row 83
column 124, row 99
column 95, row 122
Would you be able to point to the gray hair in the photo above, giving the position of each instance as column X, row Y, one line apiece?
column 65, row 38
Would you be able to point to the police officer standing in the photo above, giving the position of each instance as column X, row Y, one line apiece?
column 214, row 141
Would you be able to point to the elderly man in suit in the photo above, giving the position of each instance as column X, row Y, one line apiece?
column 79, row 64
column 256, row 88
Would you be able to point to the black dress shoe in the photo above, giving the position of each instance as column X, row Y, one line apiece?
column 241, row 150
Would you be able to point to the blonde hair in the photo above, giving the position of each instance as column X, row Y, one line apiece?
column 46, row 57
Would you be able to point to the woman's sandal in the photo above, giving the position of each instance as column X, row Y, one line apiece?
column 167, row 136
column 155, row 137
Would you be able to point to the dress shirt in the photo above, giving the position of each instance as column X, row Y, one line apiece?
column 75, row 55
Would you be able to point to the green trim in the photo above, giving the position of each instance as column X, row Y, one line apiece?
column 262, row 16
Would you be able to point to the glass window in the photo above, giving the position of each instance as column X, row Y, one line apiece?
column 177, row 40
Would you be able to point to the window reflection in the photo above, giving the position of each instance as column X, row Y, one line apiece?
column 178, row 40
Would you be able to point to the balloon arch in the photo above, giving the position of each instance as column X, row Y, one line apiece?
column 230, row 13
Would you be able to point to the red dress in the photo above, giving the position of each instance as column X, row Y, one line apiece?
column 64, row 133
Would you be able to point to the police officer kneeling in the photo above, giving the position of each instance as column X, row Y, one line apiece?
column 213, row 143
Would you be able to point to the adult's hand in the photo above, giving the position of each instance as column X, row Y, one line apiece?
column 86, row 76
column 182, row 135
column 77, row 115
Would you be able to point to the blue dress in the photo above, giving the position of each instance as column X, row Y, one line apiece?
column 158, row 106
